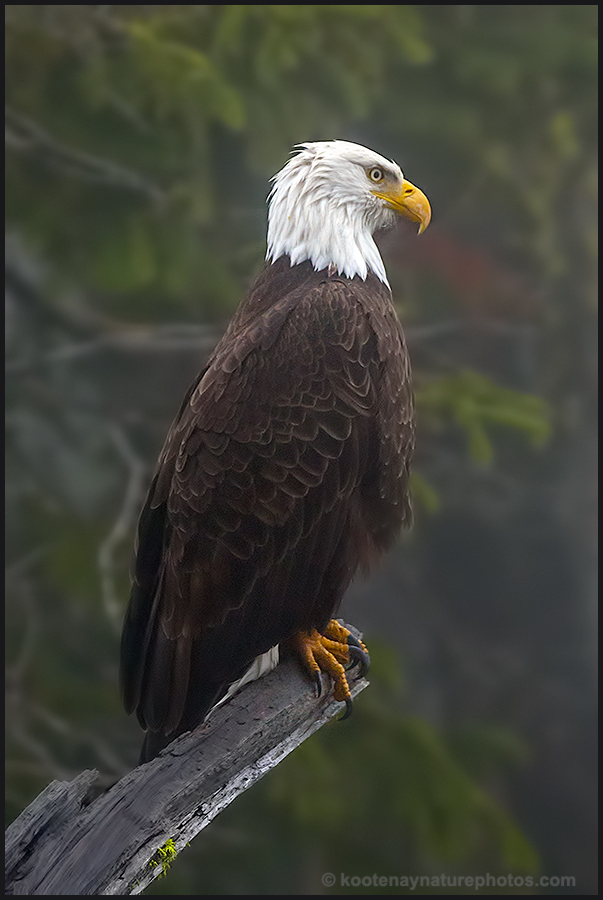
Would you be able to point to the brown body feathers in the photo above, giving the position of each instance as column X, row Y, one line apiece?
column 285, row 470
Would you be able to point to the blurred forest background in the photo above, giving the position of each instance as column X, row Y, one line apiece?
column 140, row 143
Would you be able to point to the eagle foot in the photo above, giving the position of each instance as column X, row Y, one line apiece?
column 357, row 650
column 331, row 652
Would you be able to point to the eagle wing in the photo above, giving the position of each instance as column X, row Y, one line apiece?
column 273, row 485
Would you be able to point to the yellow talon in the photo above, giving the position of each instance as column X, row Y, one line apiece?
column 338, row 632
column 329, row 652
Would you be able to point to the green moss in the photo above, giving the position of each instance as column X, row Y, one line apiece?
column 164, row 857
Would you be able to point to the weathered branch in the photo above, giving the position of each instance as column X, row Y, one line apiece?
column 25, row 135
column 67, row 843
column 170, row 339
column 122, row 527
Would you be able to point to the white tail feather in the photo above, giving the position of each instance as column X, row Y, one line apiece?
column 261, row 665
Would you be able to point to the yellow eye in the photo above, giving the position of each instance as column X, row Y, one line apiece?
column 376, row 174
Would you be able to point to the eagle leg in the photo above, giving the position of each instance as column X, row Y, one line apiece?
column 330, row 652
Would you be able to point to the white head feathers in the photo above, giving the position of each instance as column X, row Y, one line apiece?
column 322, row 208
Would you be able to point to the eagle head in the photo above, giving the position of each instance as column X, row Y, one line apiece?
column 330, row 198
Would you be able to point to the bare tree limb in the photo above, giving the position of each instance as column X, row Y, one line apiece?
column 24, row 135
column 179, row 337
column 70, row 842
column 122, row 527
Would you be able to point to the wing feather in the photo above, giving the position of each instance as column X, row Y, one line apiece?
column 267, row 495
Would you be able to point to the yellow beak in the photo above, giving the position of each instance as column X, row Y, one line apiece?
column 410, row 202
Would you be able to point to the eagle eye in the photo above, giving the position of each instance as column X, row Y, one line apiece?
column 376, row 174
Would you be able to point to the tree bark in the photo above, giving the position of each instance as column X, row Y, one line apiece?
column 70, row 842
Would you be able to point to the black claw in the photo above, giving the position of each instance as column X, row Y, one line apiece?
column 317, row 684
column 358, row 655
column 349, row 706
column 353, row 641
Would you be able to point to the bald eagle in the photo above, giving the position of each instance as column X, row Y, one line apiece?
column 286, row 468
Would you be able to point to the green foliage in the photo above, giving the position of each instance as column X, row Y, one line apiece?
column 135, row 103
column 423, row 493
column 474, row 401
column 416, row 785
column 485, row 750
